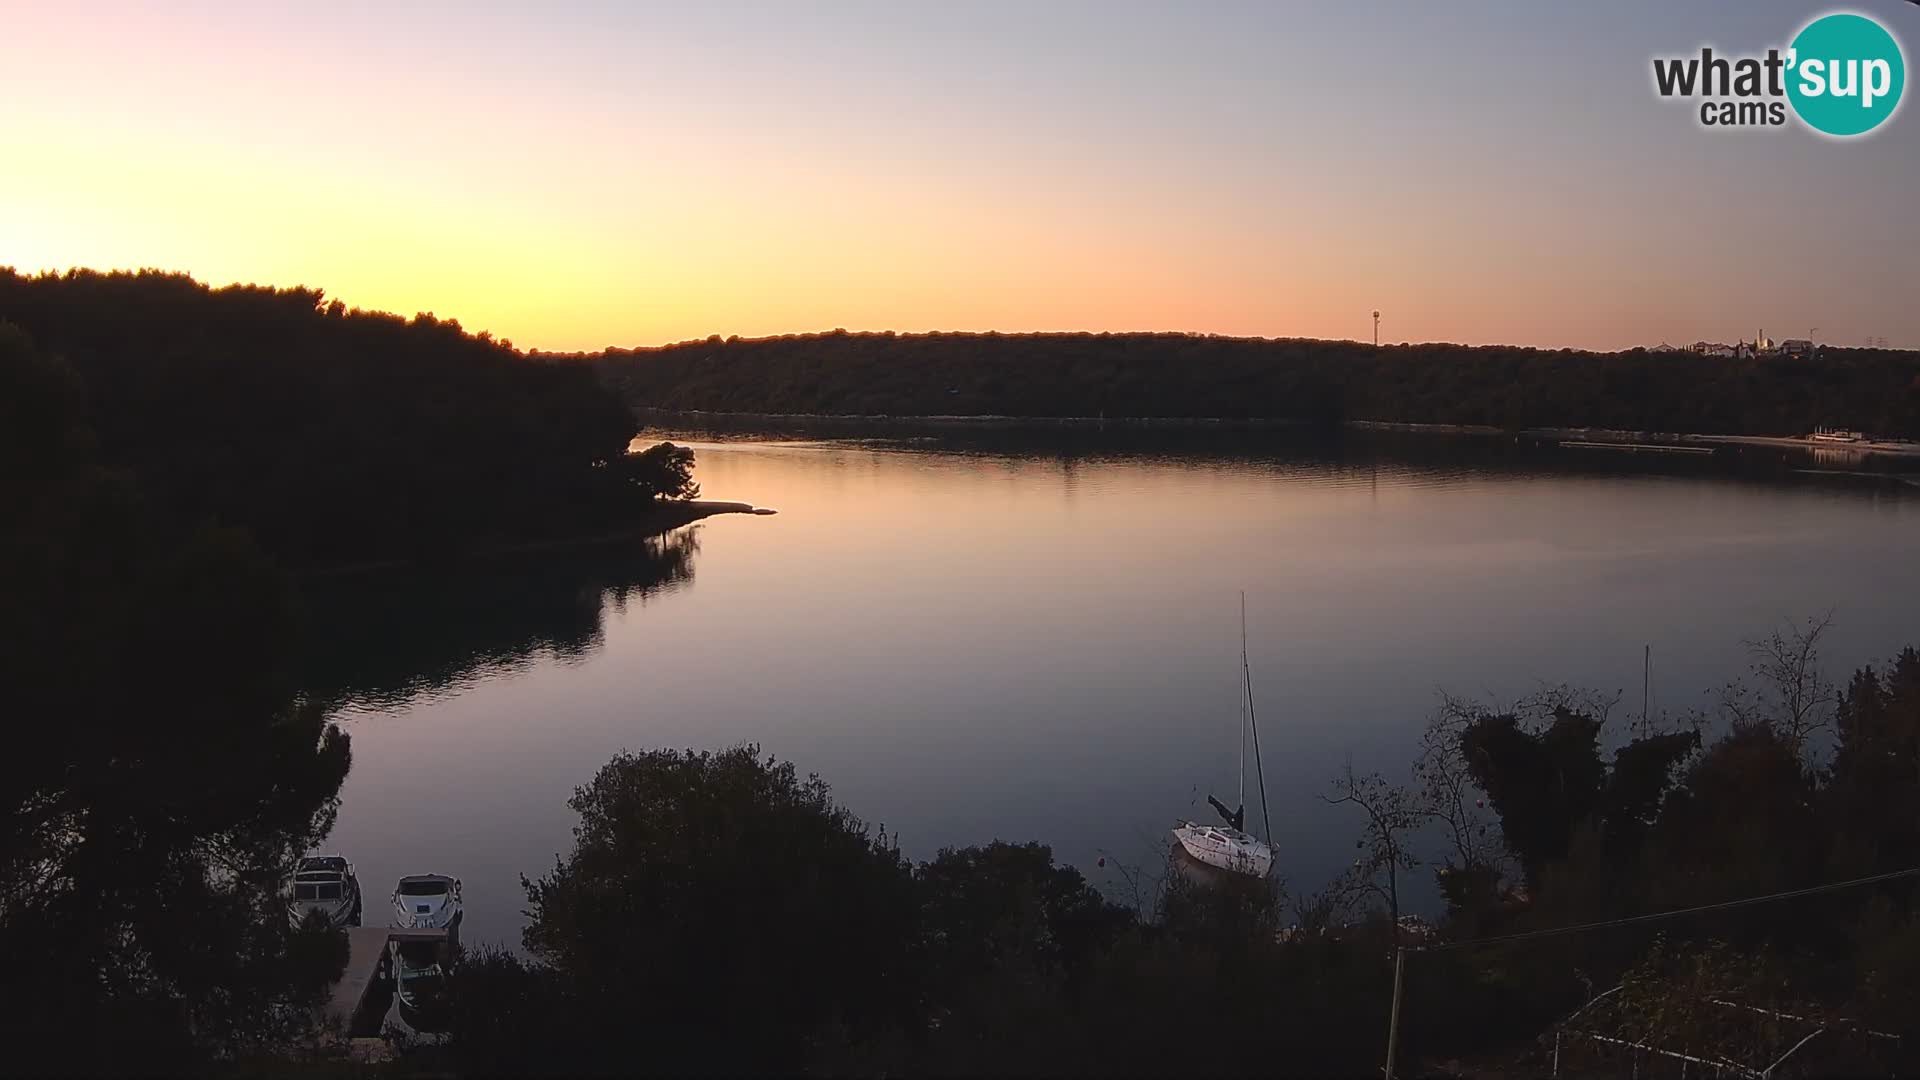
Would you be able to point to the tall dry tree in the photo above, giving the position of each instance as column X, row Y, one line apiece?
column 1790, row 694
column 1392, row 816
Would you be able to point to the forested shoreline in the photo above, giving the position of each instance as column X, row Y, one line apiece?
column 1192, row 376
column 168, row 453
column 334, row 435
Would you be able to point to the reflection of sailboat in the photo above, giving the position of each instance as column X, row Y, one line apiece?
column 1208, row 850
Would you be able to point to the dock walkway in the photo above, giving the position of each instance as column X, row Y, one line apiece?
column 359, row 1010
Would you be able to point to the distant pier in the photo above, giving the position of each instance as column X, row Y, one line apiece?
column 1633, row 448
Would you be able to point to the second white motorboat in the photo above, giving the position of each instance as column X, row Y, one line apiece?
column 427, row 902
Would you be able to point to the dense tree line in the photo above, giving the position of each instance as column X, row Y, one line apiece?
column 334, row 435
column 1187, row 375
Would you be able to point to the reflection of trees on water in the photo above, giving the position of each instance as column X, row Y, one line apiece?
column 384, row 639
column 1352, row 455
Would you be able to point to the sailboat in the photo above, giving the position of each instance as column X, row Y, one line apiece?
column 1209, row 850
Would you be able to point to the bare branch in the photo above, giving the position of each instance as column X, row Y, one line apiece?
column 1792, row 695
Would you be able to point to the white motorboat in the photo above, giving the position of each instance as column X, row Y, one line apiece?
column 427, row 902
column 1209, row 850
column 325, row 884
column 420, row 979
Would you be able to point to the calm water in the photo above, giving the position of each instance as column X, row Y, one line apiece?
column 1036, row 637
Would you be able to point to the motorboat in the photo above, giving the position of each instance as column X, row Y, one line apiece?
column 1208, row 851
column 427, row 902
column 325, row 885
column 420, row 977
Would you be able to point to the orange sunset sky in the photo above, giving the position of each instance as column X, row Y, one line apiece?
column 579, row 176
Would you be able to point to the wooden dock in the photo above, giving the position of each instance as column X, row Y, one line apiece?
column 360, row 999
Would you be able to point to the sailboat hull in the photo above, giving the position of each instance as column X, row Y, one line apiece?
column 1208, row 851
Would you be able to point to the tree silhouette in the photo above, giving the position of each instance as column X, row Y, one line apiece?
column 1292, row 379
column 332, row 435
column 724, row 912
column 161, row 779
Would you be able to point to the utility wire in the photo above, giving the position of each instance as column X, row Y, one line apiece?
column 1629, row 920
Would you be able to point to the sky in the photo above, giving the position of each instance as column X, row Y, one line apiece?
column 578, row 176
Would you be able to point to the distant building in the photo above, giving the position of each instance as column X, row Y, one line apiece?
column 1712, row 348
column 1796, row 347
column 1761, row 345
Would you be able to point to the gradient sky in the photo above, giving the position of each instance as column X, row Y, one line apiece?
column 579, row 176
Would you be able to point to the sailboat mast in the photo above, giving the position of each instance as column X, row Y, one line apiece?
column 1253, row 724
column 1646, row 685
column 1242, row 802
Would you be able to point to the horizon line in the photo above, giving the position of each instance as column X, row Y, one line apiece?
column 321, row 294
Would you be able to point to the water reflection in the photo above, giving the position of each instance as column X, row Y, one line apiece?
column 382, row 640
column 1342, row 455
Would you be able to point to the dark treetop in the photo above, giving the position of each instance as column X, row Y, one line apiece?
column 333, row 435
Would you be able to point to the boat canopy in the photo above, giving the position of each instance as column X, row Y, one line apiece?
column 426, row 885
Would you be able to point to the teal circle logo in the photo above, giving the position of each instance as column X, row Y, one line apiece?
column 1845, row 74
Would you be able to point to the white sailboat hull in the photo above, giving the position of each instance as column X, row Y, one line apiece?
column 1226, row 850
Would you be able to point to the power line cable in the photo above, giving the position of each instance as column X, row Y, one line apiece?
column 1677, row 913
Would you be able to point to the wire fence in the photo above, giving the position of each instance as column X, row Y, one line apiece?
column 1402, row 952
